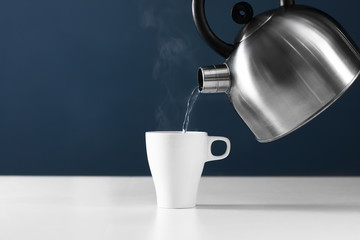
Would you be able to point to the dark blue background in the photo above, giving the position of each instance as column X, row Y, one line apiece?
column 82, row 80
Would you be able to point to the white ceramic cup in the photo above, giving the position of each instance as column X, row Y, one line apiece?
column 176, row 161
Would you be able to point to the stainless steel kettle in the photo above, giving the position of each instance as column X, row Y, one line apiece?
column 285, row 67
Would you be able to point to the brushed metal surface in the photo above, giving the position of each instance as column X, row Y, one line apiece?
column 214, row 79
column 294, row 63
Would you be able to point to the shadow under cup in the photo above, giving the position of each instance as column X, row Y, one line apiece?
column 176, row 161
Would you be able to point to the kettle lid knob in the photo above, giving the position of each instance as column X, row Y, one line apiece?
column 242, row 13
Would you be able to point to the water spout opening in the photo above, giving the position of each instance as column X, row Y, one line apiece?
column 200, row 78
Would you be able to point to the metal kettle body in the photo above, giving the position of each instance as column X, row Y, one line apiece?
column 285, row 67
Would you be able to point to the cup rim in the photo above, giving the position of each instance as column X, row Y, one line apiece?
column 187, row 133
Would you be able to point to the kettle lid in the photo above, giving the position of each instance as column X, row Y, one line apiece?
column 254, row 25
column 284, row 15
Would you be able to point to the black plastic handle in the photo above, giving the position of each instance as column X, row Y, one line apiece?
column 221, row 47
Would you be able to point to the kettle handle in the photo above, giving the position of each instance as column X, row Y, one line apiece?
column 221, row 47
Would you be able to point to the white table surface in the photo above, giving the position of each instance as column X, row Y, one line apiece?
column 124, row 208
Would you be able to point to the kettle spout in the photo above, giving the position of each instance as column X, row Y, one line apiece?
column 214, row 79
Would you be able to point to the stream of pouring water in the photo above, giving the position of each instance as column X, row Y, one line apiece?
column 190, row 104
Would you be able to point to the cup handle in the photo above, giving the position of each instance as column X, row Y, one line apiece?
column 212, row 139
